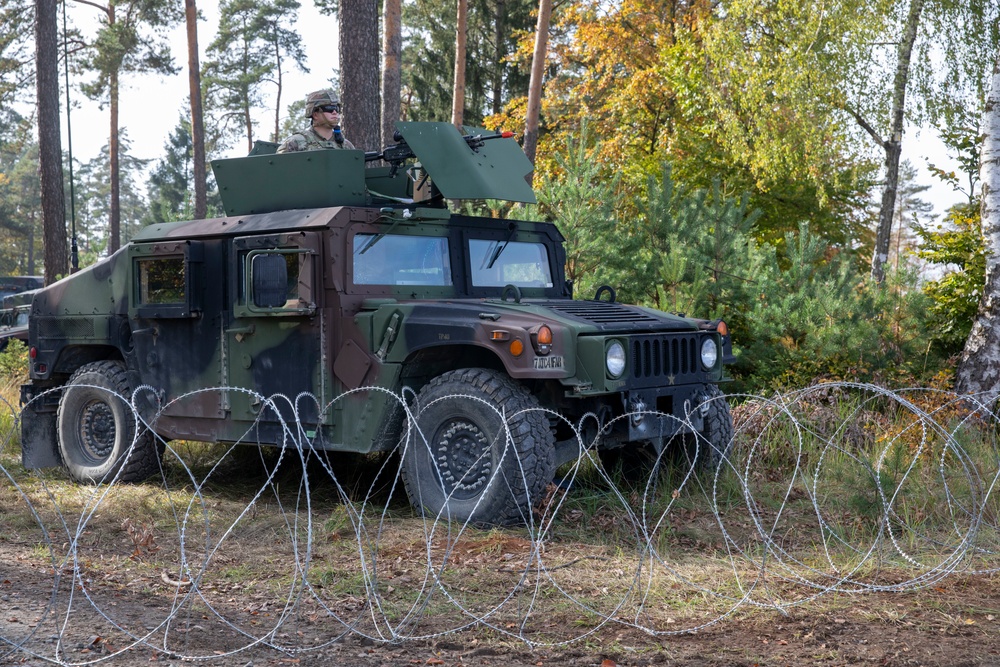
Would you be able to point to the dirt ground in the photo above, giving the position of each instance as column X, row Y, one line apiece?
column 955, row 622
column 100, row 584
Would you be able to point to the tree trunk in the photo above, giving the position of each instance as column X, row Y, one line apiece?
column 359, row 72
column 534, row 110
column 499, row 56
column 892, row 145
column 197, row 115
column 50, row 141
column 277, row 97
column 458, row 91
column 979, row 369
column 392, row 48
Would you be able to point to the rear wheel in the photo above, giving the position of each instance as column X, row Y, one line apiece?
column 482, row 452
column 97, row 428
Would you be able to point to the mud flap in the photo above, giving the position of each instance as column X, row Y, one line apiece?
column 39, row 448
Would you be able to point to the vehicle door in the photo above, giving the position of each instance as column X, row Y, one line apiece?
column 275, row 340
column 175, row 320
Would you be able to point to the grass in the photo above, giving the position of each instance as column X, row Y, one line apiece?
column 715, row 540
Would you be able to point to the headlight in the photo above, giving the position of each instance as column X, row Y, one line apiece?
column 709, row 353
column 614, row 359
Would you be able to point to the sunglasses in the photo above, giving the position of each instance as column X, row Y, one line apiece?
column 330, row 108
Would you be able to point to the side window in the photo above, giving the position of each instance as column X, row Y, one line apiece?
column 164, row 281
column 397, row 259
column 276, row 281
column 498, row 263
column 161, row 281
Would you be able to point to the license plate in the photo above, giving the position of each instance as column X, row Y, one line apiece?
column 543, row 363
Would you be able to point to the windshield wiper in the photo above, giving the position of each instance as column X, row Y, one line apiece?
column 512, row 229
column 386, row 213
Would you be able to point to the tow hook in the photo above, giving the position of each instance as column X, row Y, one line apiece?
column 636, row 409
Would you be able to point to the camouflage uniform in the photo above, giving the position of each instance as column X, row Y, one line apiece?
column 308, row 139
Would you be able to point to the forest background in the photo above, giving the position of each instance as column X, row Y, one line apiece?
column 720, row 159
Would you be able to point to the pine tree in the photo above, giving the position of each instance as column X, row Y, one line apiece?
column 247, row 59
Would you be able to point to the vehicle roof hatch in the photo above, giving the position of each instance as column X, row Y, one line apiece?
column 463, row 168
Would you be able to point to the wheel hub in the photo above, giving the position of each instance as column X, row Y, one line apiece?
column 97, row 429
column 463, row 457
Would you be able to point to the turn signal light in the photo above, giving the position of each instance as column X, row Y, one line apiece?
column 541, row 338
column 722, row 329
column 516, row 347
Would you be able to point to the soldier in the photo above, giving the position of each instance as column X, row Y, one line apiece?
column 323, row 108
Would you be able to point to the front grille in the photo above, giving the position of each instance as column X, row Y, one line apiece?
column 672, row 359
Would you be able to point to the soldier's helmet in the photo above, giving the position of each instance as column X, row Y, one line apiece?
column 319, row 98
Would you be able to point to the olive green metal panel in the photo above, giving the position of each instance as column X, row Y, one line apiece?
column 308, row 179
column 382, row 181
column 496, row 169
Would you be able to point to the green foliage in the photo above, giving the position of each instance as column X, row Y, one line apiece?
column 14, row 363
column 93, row 200
column 20, row 197
column 126, row 43
column 955, row 296
column 170, row 180
column 582, row 203
column 492, row 75
column 16, row 58
column 252, row 45
column 798, row 309
column 819, row 318
column 662, row 82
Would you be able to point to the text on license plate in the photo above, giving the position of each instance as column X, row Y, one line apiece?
column 542, row 363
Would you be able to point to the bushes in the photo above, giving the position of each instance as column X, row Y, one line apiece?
column 797, row 314
column 13, row 364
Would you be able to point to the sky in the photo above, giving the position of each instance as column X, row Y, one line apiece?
column 150, row 105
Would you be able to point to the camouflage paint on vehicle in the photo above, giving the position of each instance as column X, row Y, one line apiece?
column 375, row 284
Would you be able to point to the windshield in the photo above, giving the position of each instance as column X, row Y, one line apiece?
column 514, row 263
column 395, row 259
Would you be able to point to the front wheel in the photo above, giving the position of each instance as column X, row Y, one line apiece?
column 98, row 431
column 482, row 450
column 706, row 450
column 715, row 442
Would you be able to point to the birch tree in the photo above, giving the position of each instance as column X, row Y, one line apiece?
column 892, row 144
column 979, row 368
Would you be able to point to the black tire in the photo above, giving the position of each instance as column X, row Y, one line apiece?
column 715, row 443
column 468, row 469
column 97, row 426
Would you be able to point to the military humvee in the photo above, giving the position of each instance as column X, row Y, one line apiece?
column 299, row 318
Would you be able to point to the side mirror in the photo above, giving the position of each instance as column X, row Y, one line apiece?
column 270, row 280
